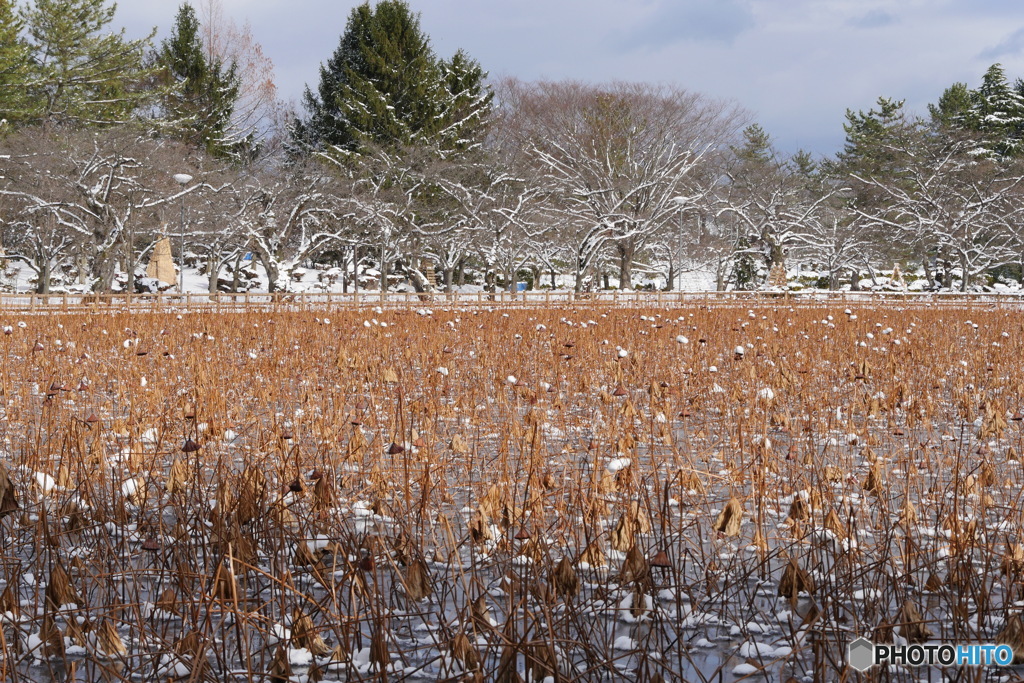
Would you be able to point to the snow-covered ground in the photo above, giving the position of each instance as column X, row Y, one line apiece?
column 21, row 279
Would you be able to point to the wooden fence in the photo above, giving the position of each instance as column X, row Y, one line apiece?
column 541, row 298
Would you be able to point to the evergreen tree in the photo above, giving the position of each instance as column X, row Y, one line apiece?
column 999, row 114
column 383, row 86
column 993, row 114
column 468, row 102
column 804, row 165
column 881, row 150
column 757, row 146
column 15, row 66
column 873, row 139
column 202, row 93
column 84, row 73
column 955, row 108
column 764, row 193
column 744, row 272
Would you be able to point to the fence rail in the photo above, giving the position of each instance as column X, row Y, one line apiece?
column 541, row 298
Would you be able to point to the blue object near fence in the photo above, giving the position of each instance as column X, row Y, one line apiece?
column 520, row 286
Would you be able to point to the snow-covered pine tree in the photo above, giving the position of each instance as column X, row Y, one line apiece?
column 757, row 149
column 955, row 109
column 201, row 93
column 467, row 105
column 384, row 87
column 992, row 115
column 84, row 73
column 15, row 62
column 999, row 114
column 879, row 145
column 873, row 139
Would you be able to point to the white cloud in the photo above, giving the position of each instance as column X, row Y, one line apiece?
column 1012, row 45
column 872, row 19
column 676, row 21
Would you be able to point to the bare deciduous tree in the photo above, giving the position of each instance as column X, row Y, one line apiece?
column 288, row 215
column 616, row 158
column 964, row 209
column 258, row 112
column 91, row 191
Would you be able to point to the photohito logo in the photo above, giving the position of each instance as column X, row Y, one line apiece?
column 862, row 654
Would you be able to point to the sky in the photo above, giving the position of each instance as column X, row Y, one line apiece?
column 795, row 65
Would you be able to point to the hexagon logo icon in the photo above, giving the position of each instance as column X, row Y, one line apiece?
column 860, row 654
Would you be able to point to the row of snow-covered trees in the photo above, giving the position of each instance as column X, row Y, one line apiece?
column 407, row 162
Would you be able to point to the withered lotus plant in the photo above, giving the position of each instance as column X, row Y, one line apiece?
column 109, row 640
column 911, row 624
column 463, row 650
column 795, row 581
column 305, row 635
column 1012, row 634
column 564, row 579
column 730, row 518
column 8, row 496
column 581, row 483
column 417, row 580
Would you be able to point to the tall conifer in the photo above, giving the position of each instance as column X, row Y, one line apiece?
column 202, row 92
column 15, row 66
column 384, row 87
column 84, row 73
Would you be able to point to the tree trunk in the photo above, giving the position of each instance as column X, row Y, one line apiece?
column 355, row 270
column 383, row 270
column 273, row 272
column 43, row 285
column 670, row 284
column 775, row 254
column 449, row 273
column 129, row 258
column 83, row 268
column 103, row 268
column 106, row 270
column 236, row 276
column 965, row 279
column 415, row 276
column 627, row 250
column 928, row 272
column 213, row 266
column 344, row 270
column 871, row 274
